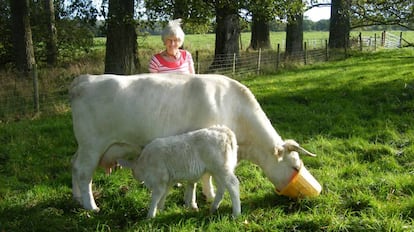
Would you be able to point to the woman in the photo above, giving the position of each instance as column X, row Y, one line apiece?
column 172, row 59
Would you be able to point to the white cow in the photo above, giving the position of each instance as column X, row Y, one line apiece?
column 115, row 116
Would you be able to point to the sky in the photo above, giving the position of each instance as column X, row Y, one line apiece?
column 318, row 13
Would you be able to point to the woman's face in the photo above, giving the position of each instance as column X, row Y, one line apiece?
column 172, row 45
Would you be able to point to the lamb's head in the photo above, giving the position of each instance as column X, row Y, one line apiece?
column 287, row 162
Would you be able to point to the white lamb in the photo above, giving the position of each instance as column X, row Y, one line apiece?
column 186, row 157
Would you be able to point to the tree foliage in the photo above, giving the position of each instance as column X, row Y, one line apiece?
column 75, row 27
column 197, row 15
column 380, row 12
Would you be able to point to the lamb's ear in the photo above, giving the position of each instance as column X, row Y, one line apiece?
column 292, row 145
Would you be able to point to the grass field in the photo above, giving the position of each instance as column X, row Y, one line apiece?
column 356, row 115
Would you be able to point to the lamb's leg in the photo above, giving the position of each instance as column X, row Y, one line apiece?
column 161, row 203
column 207, row 185
column 190, row 196
column 232, row 185
column 219, row 194
column 83, row 166
column 156, row 196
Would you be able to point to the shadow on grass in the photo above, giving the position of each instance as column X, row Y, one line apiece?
column 42, row 216
column 272, row 201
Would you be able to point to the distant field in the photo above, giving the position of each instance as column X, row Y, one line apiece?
column 195, row 42
column 355, row 114
column 205, row 43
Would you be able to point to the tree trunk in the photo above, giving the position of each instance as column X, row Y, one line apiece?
column 121, row 41
column 227, row 36
column 22, row 36
column 339, row 27
column 294, row 35
column 51, row 40
column 260, row 34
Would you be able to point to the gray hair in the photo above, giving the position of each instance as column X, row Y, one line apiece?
column 173, row 29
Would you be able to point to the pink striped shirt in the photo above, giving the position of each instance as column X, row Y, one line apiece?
column 185, row 65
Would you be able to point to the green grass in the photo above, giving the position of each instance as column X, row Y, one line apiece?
column 356, row 115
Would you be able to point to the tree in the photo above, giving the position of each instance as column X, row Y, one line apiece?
column 51, row 38
column 201, row 12
column 6, row 46
column 22, row 36
column 65, row 26
column 294, row 27
column 340, row 27
column 261, row 12
column 121, row 42
column 260, row 38
column 294, row 34
column 227, row 33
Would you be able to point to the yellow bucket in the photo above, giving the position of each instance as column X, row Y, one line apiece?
column 302, row 184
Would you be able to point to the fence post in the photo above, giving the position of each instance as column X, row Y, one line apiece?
column 305, row 55
column 240, row 41
column 400, row 41
column 197, row 64
column 259, row 58
column 326, row 50
column 277, row 56
column 360, row 41
column 383, row 39
column 375, row 41
column 234, row 63
column 35, row 89
column 346, row 50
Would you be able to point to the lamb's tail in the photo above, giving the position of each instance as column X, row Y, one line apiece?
column 232, row 147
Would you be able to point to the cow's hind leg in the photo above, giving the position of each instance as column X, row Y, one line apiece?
column 75, row 185
column 83, row 167
column 190, row 196
column 207, row 185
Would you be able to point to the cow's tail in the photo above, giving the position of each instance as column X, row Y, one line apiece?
column 75, row 89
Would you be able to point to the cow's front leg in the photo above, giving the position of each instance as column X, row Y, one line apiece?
column 208, row 189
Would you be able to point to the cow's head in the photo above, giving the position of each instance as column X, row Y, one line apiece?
column 287, row 163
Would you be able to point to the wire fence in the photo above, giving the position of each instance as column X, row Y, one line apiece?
column 384, row 40
column 261, row 61
column 22, row 97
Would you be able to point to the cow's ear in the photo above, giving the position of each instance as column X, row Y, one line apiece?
column 306, row 152
column 291, row 145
